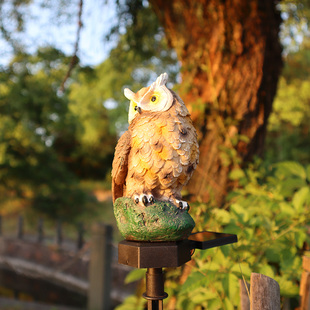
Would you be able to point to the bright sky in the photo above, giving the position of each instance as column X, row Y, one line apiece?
column 44, row 28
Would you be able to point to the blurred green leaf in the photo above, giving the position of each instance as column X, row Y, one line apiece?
column 288, row 287
column 308, row 172
column 289, row 168
column 228, row 304
column 289, row 185
column 236, row 174
column 231, row 285
column 135, row 275
column 222, row 215
column 300, row 197
column 242, row 269
column 267, row 271
column 132, row 303
column 196, row 280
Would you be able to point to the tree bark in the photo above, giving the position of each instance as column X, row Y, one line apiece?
column 231, row 60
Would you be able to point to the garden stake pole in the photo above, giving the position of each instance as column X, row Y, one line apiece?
column 155, row 289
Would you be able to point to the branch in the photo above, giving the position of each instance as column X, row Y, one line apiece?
column 74, row 58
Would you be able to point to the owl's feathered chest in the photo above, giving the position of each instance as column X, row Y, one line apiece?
column 163, row 146
column 153, row 128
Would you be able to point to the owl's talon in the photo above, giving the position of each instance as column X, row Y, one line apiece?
column 144, row 200
column 151, row 199
column 186, row 206
column 183, row 205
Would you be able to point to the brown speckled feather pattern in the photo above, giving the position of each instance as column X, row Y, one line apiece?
column 157, row 155
column 120, row 165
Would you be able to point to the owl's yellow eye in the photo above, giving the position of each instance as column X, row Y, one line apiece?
column 153, row 99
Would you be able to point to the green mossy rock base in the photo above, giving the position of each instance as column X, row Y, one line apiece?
column 162, row 221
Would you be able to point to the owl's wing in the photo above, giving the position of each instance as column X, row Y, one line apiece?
column 120, row 165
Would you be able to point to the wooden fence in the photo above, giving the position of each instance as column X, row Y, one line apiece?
column 40, row 236
column 100, row 268
column 96, row 283
column 262, row 294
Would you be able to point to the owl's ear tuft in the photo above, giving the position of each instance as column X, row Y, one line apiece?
column 129, row 94
column 162, row 79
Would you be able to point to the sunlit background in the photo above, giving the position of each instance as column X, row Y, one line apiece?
column 62, row 110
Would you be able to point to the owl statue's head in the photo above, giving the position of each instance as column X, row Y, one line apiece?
column 155, row 98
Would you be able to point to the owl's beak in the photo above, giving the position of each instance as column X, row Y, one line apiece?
column 131, row 96
column 138, row 109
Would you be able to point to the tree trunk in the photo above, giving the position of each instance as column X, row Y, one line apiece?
column 231, row 60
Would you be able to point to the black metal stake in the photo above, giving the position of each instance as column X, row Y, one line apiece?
column 155, row 292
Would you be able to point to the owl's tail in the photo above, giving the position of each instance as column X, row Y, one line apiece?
column 117, row 191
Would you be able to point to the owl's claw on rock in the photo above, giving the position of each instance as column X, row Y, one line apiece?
column 144, row 199
column 151, row 199
column 183, row 205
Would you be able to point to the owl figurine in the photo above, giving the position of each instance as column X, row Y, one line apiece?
column 158, row 153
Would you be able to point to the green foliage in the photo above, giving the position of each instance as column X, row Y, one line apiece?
column 270, row 214
column 45, row 143
column 94, row 138
column 291, row 105
column 31, row 115
column 289, row 129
